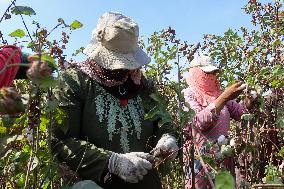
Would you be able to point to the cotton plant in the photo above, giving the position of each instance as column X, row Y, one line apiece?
column 216, row 151
column 226, row 147
column 273, row 174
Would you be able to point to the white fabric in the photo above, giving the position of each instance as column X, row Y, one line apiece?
column 114, row 43
column 204, row 62
column 167, row 145
column 130, row 167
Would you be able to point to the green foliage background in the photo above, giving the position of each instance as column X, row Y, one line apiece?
column 255, row 56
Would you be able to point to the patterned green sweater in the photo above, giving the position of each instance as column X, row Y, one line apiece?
column 97, row 124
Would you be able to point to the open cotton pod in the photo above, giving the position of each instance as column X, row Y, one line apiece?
column 253, row 94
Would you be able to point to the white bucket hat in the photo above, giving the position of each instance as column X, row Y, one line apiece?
column 205, row 63
column 114, row 43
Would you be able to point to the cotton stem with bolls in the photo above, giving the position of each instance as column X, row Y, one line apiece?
column 33, row 123
column 49, row 131
column 179, row 104
column 34, row 113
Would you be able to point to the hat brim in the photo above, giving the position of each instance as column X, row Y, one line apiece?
column 209, row 68
column 114, row 60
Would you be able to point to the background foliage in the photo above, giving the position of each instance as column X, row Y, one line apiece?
column 255, row 56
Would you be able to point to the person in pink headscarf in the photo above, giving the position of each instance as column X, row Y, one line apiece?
column 213, row 108
column 9, row 55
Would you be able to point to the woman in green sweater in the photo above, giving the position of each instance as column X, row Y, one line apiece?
column 104, row 137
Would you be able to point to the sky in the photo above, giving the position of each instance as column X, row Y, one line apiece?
column 190, row 18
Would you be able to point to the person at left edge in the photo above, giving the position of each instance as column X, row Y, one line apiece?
column 10, row 54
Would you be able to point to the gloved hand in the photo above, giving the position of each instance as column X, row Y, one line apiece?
column 130, row 167
column 166, row 148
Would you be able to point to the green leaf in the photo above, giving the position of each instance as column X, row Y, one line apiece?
column 52, row 104
column 50, row 60
column 185, row 117
column 165, row 118
column 278, row 70
column 66, row 187
column 46, row 58
column 75, row 25
column 226, row 150
column 46, row 184
column 280, row 123
column 224, row 180
column 264, row 71
column 281, row 152
column 23, row 10
column 276, row 43
column 275, row 83
column 152, row 113
column 18, row 33
column 3, row 130
column 45, row 83
column 158, row 98
column 31, row 44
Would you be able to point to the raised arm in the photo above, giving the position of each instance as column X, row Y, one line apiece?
column 236, row 109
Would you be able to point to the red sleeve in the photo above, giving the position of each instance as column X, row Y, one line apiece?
column 14, row 54
column 236, row 109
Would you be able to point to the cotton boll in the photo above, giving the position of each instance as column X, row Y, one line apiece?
column 222, row 140
column 271, row 59
column 226, row 150
column 27, row 131
column 29, row 137
column 12, row 167
column 232, row 142
column 253, row 94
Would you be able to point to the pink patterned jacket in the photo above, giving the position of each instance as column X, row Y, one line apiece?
column 208, row 126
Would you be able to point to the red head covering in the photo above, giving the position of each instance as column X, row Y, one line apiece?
column 206, row 87
column 13, row 54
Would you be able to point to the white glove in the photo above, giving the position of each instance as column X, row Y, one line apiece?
column 166, row 147
column 130, row 167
